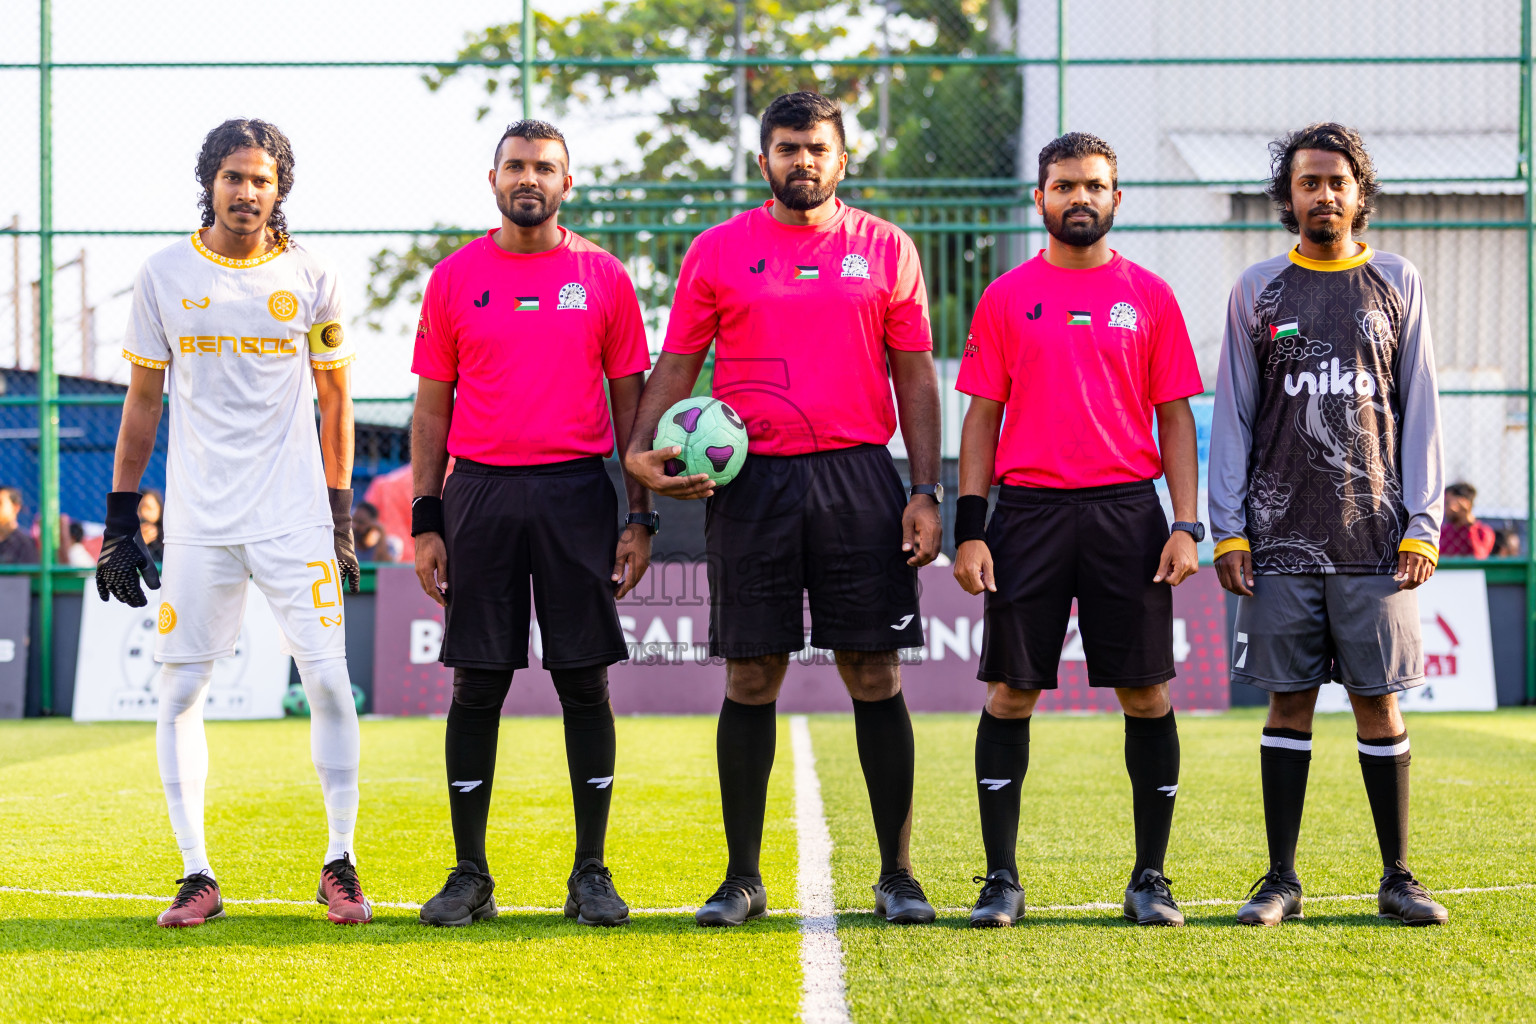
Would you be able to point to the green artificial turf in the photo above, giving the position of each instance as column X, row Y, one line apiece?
column 1474, row 806
column 81, row 809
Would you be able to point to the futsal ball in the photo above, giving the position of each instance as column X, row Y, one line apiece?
column 712, row 437
column 294, row 702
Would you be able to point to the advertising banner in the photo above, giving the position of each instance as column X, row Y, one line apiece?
column 1458, row 649
column 116, row 675
column 666, row 623
column 15, row 623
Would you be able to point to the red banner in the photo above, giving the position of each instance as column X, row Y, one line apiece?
column 666, row 622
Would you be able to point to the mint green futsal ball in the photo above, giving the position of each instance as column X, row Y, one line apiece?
column 713, row 439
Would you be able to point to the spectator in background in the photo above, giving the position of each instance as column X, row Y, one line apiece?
column 1506, row 544
column 151, row 513
column 373, row 544
column 75, row 554
column 1462, row 535
column 16, row 545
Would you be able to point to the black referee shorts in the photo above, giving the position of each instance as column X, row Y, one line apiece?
column 826, row 527
column 1100, row 545
column 557, row 523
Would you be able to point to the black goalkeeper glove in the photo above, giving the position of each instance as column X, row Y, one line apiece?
column 124, row 555
column 346, row 553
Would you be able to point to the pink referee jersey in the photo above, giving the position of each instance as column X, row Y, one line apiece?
column 1079, row 357
column 801, row 318
column 528, row 339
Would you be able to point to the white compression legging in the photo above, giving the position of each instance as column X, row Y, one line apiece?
column 182, row 747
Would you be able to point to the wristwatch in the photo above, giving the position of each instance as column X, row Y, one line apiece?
column 1195, row 530
column 935, row 490
column 650, row 520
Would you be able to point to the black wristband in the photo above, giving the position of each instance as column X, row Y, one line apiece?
column 426, row 515
column 970, row 518
column 341, row 501
column 122, row 513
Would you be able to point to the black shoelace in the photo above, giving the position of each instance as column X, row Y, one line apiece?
column 1404, row 883
column 345, row 874
column 460, row 884
column 730, row 887
column 191, row 887
column 1157, row 885
column 995, row 889
column 903, row 884
column 596, row 882
column 1273, row 881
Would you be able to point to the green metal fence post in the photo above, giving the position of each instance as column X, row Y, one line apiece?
column 527, row 59
column 1061, row 67
column 47, row 384
column 1527, row 171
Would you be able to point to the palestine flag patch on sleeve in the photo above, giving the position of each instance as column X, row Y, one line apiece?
column 1288, row 329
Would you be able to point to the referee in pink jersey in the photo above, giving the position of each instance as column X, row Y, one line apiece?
column 1073, row 355
column 519, row 329
column 815, row 310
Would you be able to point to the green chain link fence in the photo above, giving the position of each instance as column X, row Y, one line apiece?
column 947, row 101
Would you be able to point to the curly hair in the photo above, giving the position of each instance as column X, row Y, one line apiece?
column 243, row 133
column 1076, row 146
column 800, row 112
column 1333, row 138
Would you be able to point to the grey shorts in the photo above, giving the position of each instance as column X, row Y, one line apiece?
column 1298, row 632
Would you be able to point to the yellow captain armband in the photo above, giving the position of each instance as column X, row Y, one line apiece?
column 325, row 338
column 1230, row 544
column 1420, row 547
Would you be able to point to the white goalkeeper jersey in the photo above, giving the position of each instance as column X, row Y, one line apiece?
column 239, row 338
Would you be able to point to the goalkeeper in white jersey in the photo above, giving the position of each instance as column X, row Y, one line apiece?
column 238, row 318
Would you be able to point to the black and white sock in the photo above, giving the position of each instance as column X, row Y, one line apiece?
column 745, row 741
column 1285, row 755
column 589, row 753
column 474, row 720
column 1002, row 759
column 884, row 732
column 1152, row 760
column 1384, row 766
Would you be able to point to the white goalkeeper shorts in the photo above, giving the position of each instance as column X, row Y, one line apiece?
column 202, row 596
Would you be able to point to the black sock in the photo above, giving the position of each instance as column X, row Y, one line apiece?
column 1384, row 765
column 474, row 719
column 884, row 732
column 1152, row 759
column 744, row 747
column 1284, row 757
column 589, row 753
column 1002, row 758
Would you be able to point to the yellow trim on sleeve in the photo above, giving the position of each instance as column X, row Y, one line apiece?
column 334, row 364
column 1359, row 259
column 1231, row 544
column 153, row 364
column 224, row 261
column 1421, row 547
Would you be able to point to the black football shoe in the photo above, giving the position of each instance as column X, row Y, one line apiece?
column 591, row 897
column 737, row 901
column 900, row 900
column 1402, row 898
column 465, row 898
column 1150, row 901
column 1277, row 899
column 1001, row 903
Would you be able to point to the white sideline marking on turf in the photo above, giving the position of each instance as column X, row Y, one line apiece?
column 823, row 999
column 91, row 894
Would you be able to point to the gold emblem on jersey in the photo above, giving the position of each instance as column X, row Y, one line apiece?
column 283, row 306
column 201, row 303
column 166, row 621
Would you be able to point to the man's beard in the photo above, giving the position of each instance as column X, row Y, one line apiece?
column 800, row 192
column 233, row 228
column 1079, row 235
column 523, row 217
column 1328, row 232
